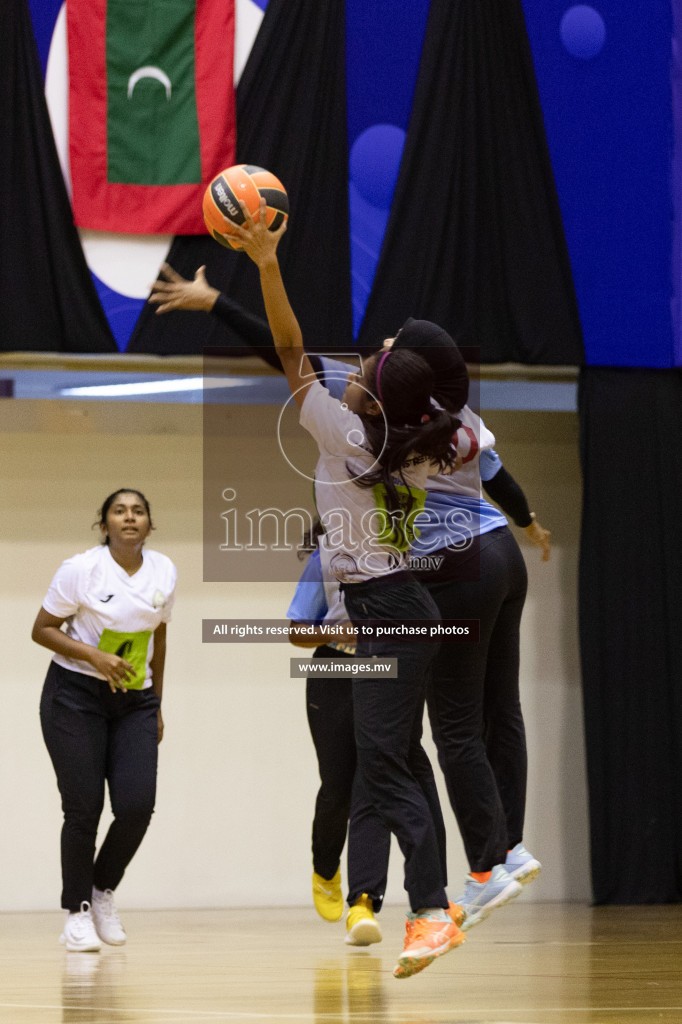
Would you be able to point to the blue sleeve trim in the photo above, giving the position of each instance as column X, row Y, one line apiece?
column 309, row 603
column 490, row 463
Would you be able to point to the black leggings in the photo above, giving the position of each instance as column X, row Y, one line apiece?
column 93, row 736
column 388, row 728
column 329, row 705
column 330, row 717
column 473, row 698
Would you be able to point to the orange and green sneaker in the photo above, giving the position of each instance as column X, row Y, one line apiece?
column 426, row 938
column 456, row 912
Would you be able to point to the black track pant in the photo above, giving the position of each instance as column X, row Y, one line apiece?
column 329, row 705
column 388, row 726
column 330, row 716
column 95, row 736
column 473, row 700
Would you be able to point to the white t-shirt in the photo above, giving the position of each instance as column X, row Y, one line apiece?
column 105, row 607
column 352, row 515
column 455, row 511
column 471, row 439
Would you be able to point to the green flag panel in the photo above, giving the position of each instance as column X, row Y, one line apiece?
column 152, row 122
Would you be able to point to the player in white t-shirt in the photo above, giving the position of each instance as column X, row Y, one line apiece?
column 377, row 447
column 474, row 569
column 105, row 616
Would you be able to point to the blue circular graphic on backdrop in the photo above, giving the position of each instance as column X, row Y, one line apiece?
column 43, row 16
column 375, row 161
column 583, row 31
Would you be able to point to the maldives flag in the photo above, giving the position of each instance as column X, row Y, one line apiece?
column 151, row 110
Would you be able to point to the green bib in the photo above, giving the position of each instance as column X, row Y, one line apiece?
column 398, row 531
column 132, row 647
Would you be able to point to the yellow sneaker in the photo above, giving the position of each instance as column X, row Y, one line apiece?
column 362, row 927
column 327, row 896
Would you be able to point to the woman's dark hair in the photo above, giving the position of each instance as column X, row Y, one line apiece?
column 451, row 387
column 108, row 502
column 411, row 424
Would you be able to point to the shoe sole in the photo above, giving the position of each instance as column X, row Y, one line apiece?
column 364, row 933
column 527, row 872
column 331, row 916
column 509, row 892
column 71, row 948
column 113, row 942
column 408, row 966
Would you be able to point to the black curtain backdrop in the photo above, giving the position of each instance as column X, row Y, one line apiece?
column 631, row 630
column 475, row 239
column 291, row 119
column 48, row 302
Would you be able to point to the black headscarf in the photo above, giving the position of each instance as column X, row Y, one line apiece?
column 436, row 346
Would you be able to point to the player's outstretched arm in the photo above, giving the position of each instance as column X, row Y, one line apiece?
column 173, row 291
column 261, row 245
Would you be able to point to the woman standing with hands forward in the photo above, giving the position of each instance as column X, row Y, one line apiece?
column 101, row 706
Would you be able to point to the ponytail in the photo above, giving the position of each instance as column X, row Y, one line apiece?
column 411, row 425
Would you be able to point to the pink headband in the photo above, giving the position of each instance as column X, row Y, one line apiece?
column 381, row 363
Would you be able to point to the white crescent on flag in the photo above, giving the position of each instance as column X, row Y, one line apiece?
column 150, row 71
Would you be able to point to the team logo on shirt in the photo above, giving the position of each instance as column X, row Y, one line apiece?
column 159, row 599
column 343, row 566
column 466, row 444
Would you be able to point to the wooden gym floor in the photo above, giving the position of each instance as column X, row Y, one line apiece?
column 528, row 964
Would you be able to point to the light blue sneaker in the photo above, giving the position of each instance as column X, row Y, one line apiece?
column 522, row 865
column 480, row 898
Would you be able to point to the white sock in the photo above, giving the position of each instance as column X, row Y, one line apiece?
column 435, row 913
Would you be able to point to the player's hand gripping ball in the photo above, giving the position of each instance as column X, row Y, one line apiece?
column 243, row 181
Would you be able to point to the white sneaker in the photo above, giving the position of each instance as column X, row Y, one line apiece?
column 480, row 898
column 107, row 923
column 79, row 935
column 522, row 865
